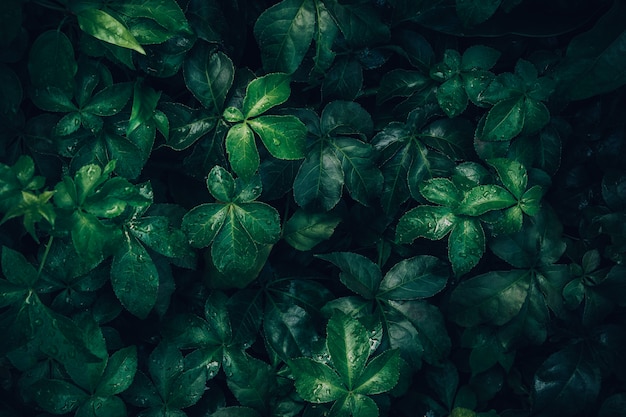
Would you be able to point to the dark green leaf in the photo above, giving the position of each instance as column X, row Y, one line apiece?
column 165, row 364
column 97, row 406
column 359, row 23
column 450, row 136
column 186, row 125
column 512, row 174
column 566, row 381
column 362, row 178
column 203, row 223
column 346, row 118
column 145, row 100
column 134, row 277
column 400, row 83
column 249, row 379
column 304, row 230
column 105, row 27
column 52, row 47
column 358, row 273
column 16, row 269
column 283, row 136
column 343, row 80
column 209, row 75
column 414, row 278
column 319, row 182
column 119, row 373
column 473, row 12
column 221, row 184
column 109, row 101
column 495, row 297
column 166, row 13
column 479, row 57
column 57, row 396
column 325, row 36
column 284, row 33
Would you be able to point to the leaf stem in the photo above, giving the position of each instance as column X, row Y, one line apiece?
column 45, row 255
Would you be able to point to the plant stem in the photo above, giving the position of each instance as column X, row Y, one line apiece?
column 45, row 255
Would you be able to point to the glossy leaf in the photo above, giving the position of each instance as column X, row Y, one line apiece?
column 283, row 136
column 466, row 245
column 431, row 222
column 319, row 181
column 166, row 13
column 348, row 346
column 52, row 46
column 105, row 27
column 362, row 179
column 58, row 397
column 358, row 273
column 316, row 382
column 414, row 278
column 209, row 75
column 473, row 12
column 264, row 93
column 243, row 154
column 135, row 278
column 504, row 121
column 119, row 373
column 483, row 198
column 284, row 32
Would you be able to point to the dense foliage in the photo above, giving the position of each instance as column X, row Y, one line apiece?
column 312, row 208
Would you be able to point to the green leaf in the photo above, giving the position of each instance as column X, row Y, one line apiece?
column 483, row 198
column 109, row 101
column 105, row 27
column 58, row 397
column 343, row 80
column 10, row 21
column 473, row 12
column 362, row 178
column 400, row 83
column 52, row 46
column 134, row 277
column 414, row 278
column 381, row 374
column 430, row 222
column 348, row 346
column 304, row 230
column 341, row 117
column 186, row 125
column 316, row 382
column 221, row 184
column 165, row 365
column 452, row 97
column 512, row 174
column 145, row 100
column 494, row 297
column 264, row 93
column 283, row 136
column 249, row 379
column 325, row 36
column 358, row 273
column 16, row 269
column 243, row 154
column 166, row 13
column 479, row 57
column 261, row 221
column 466, row 245
column 119, row 373
column 284, row 33
column 202, row 223
column 566, row 381
column 319, row 182
column 504, row 121
column 441, row 191
column 97, row 406
column 209, row 75
column 450, row 136
column 92, row 239
column 360, row 24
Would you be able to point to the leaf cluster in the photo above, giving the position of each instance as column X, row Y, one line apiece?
column 312, row 208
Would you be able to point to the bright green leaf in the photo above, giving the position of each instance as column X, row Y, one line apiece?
column 380, row 375
column 283, row 136
column 243, row 154
column 483, row 198
column 316, row 382
column 466, row 245
column 105, row 27
column 512, row 174
column 430, row 222
column 504, row 121
column 266, row 92
column 348, row 345
column 441, row 191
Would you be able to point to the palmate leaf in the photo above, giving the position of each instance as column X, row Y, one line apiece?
column 414, row 278
column 243, row 154
column 358, row 273
column 283, row 136
column 319, row 181
column 264, row 93
column 284, row 33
